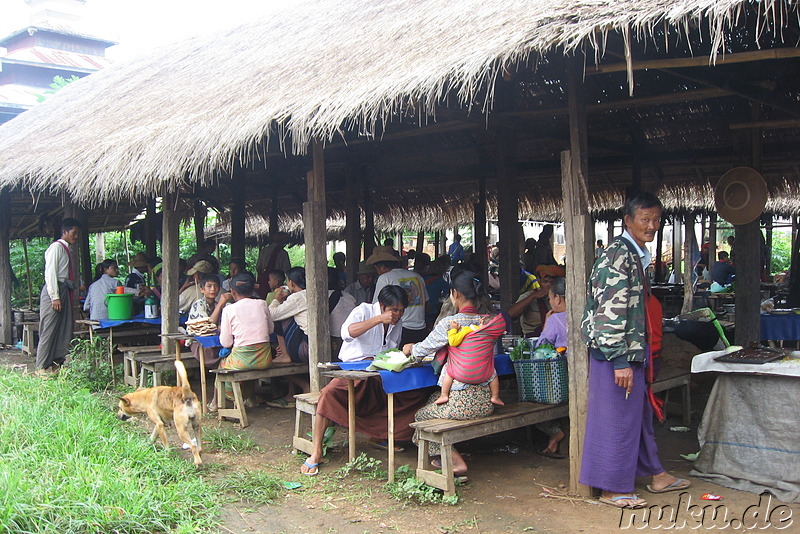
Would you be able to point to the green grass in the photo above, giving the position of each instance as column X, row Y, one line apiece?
column 255, row 487
column 227, row 440
column 68, row 466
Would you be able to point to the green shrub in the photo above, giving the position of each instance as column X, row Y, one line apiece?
column 88, row 365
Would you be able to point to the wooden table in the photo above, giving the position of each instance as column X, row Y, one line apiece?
column 178, row 337
column 351, row 377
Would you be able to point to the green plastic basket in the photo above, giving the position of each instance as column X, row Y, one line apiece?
column 543, row 381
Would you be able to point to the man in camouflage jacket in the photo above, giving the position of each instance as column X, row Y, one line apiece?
column 619, row 443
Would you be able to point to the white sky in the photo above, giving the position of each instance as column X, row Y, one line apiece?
column 141, row 24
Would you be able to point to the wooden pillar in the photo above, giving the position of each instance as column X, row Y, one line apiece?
column 676, row 248
column 610, row 236
column 170, row 249
column 688, row 232
column 84, row 254
column 99, row 247
column 28, row 272
column 273, row 210
column 435, row 244
column 238, row 214
column 578, row 232
column 319, row 330
column 794, row 270
column 479, row 229
column 420, row 241
column 352, row 231
column 150, row 230
column 769, row 225
column 659, row 273
column 6, row 313
column 507, row 219
column 748, row 257
column 200, row 212
column 712, row 240
column 369, row 217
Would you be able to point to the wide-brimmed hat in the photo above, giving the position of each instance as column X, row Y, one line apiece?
column 741, row 195
column 382, row 256
column 364, row 268
column 202, row 266
column 139, row 261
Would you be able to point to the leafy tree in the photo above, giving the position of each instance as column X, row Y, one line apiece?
column 59, row 82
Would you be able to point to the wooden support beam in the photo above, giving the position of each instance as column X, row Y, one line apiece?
column 659, row 273
column 84, row 257
column 676, row 248
column 238, row 213
column 150, row 230
column 6, row 313
column 352, row 231
column 688, row 232
column 170, row 250
column 768, row 229
column 273, row 210
column 766, row 125
column 507, row 219
column 700, row 61
column 479, row 231
column 578, row 233
column 199, row 216
column 369, row 216
column 314, row 216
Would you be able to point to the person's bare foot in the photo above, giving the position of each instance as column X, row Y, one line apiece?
column 552, row 445
column 311, row 466
column 442, row 399
column 665, row 482
column 281, row 358
column 497, row 401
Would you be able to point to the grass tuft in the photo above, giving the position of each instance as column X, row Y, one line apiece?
column 407, row 487
column 256, row 487
column 67, row 465
column 227, row 440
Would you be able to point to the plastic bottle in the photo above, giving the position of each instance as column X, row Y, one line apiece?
column 151, row 308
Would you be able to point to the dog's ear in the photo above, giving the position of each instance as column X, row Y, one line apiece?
column 125, row 401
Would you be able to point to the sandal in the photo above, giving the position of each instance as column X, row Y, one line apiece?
column 614, row 501
column 313, row 469
column 384, row 446
column 678, row 485
column 280, row 403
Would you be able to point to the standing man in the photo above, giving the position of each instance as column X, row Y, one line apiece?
column 619, row 443
column 56, row 301
column 391, row 274
column 456, row 251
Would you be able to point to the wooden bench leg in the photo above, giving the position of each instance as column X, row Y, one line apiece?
column 238, row 402
column 687, row 405
column 156, row 378
column 219, row 391
column 424, row 470
column 447, row 470
column 127, row 370
column 142, row 376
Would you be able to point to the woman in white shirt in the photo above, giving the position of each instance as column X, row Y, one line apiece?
column 289, row 311
column 105, row 282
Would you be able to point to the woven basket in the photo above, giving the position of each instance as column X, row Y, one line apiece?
column 543, row 381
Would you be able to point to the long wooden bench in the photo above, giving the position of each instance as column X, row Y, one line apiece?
column 448, row 432
column 673, row 377
column 235, row 377
column 150, row 360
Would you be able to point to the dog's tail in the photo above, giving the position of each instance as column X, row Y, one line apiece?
column 183, row 378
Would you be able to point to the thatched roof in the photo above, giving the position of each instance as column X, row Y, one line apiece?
column 333, row 70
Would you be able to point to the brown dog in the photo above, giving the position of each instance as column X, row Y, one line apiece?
column 163, row 403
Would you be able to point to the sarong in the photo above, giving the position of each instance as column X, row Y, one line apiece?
column 472, row 402
column 371, row 407
column 257, row 356
column 619, row 444
column 55, row 328
column 296, row 339
column 210, row 355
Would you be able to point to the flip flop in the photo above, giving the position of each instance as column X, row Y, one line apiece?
column 438, row 465
column 678, row 485
column 280, row 403
column 614, row 501
column 548, row 454
column 384, row 446
column 313, row 469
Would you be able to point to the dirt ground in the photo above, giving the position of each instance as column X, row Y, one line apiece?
column 510, row 488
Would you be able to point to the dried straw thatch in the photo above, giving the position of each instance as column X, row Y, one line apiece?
column 188, row 112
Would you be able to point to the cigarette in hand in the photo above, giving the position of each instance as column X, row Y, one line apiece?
column 627, row 394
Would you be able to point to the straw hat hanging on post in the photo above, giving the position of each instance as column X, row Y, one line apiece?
column 741, row 195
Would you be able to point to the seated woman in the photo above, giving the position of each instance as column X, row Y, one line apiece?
column 244, row 328
column 236, row 266
column 208, row 307
column 368, row 330
column 466, row 401
column 555, row 333
column 340, row 304
column 105, row 282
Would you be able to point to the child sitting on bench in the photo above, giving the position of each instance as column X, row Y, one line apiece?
column 473, row 363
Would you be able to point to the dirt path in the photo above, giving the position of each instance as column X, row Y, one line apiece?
column 505, row 492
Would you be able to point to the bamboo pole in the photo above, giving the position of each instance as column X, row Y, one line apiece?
column 28, row 272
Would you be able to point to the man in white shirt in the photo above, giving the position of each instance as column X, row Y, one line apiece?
column 56, row 300
column 388, row 268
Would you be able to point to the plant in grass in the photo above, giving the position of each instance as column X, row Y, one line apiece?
column 407, row 487
column 224, row 439
column 67, row 465
column 327, row 439
column 366, row 466
column 253, row 486
column 88, row 365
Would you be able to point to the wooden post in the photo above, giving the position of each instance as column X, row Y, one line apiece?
column 149, row 230
column 676, row 248
column 6, row 313
column 578, row 232
column 794, row 270
column 610, row 236
column 369, row 217
column 420, row 241
column 479, row 230
column 273, row 210
column 352, row 227
column 688, row 295
column 238, row 213
column 659, row 273
column 435, row 244
column 319, row 329
column 84, row 254
column 99, row 247
column 712, row 240
column 170, row 248
column 28, row 272
column 507, row 219
column 199, row 216
column 769, row 244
